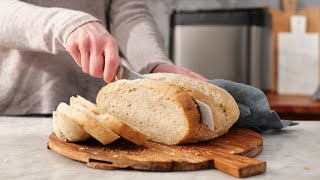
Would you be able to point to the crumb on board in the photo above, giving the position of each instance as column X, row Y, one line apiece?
column 306, row 168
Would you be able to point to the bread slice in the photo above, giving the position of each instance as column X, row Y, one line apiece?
column 224, row 108
column 122, row 129
column 85, row 103
column 164, row 112
column 67, row 130
column 110, row 122
column 91, row 126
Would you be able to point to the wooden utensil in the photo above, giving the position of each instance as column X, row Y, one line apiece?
column 281, row 23
column 313, row 16
column 229, row 153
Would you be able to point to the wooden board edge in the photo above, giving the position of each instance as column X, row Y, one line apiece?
column 103, row 163
column 259, row 168
column 246, row 166
column 58, row 147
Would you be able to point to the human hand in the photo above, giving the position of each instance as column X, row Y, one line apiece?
column 169, row 68
column 94, row 50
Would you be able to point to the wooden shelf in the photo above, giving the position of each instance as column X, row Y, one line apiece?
column 294, row 107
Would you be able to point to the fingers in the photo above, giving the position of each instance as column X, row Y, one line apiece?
column 198, row 76
column 100, row 58
column 94, row 50
column 169, row 68
column 84, row 47
column 194, row 75
column 97, row 57
column 96, row 64
column 74, row 51
column 111, row 63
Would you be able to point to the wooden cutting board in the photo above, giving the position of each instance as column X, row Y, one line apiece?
column 298, row 59
column 229, row 153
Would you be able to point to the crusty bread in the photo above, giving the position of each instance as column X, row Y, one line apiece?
column 91, row 126
column 149, row 106
column 161, row 108
column 109, row 121
column 67, row 130
column 224, row 108
column 122, row 129
column 87, row 104
column 164, row 112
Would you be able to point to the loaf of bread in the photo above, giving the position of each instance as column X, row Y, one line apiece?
column 165, row 110
column 161, row 107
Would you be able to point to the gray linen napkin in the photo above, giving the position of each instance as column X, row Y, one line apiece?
column 255, row 112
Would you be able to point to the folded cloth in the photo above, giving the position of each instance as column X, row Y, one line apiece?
column 255, row 112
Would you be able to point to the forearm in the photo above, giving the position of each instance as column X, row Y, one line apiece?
column 29, row 27
column 137, row 35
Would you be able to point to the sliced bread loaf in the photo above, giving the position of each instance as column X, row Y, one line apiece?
column 67, row 130
column 164, row 112
column 224, row 108
column 110, row 122
column 88, row 124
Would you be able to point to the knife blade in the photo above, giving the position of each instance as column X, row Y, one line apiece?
column 205, row 111
column 206, row 114
column 126, row 73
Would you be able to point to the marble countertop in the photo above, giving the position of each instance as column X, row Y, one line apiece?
column 290, row 153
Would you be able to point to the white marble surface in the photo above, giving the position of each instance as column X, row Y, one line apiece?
column 291, row 153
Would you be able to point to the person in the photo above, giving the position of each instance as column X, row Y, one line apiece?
column 51, row 50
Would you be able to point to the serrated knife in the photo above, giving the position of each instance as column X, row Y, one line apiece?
column 205, row 110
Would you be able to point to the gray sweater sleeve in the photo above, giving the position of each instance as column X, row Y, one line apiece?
column 29, row 27
column 136, row 32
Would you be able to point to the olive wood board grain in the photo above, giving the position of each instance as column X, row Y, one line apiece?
column 230, row 153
